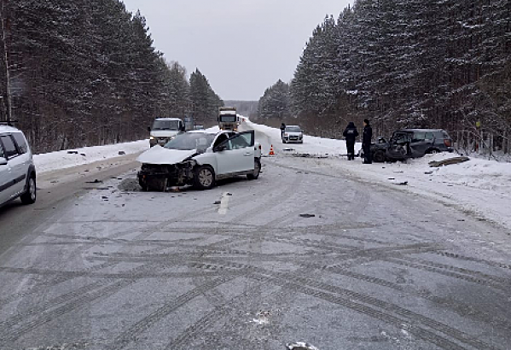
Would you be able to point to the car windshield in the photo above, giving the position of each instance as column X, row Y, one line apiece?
column 165, row 124
column 228, row 118
column 190, row 141
column 293, row 129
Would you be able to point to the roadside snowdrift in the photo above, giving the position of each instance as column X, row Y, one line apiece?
column 268, row 136
column 64, row 159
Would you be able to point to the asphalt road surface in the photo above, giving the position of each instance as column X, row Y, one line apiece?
column 304, row 253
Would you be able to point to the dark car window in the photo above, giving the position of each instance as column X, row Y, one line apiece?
column 220, row 139
column 20, row 141
column 430, row 136
column 238, row 142
column 191, row 141
column 2, row 155
column 166, row 124
column 401, row 137
column 419, row 136
column 9, row 147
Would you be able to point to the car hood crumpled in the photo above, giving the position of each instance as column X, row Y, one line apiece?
column 165, row 156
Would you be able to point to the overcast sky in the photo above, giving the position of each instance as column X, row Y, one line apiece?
column 242, row 46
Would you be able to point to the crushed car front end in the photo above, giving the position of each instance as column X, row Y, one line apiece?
column 159, row 177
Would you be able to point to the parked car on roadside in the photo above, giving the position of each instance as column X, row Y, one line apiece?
column 292, row 133
column 200, row 158
column 411, row 143
column 17, row 170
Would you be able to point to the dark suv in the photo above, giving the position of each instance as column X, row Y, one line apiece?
column 411, row 143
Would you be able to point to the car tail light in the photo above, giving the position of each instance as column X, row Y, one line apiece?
column 447, row 143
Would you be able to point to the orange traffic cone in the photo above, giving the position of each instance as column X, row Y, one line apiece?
column 272, row 152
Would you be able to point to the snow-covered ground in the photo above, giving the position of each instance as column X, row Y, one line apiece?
column 71, row 158
column 481, row 187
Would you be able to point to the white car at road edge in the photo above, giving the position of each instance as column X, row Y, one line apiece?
column 200, row 158
column 17, row 170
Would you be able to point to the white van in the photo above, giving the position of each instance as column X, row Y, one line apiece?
column 164, row 130
column 17, row 170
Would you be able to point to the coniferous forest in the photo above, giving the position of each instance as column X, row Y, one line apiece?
column 407, row 63
column 85, row 72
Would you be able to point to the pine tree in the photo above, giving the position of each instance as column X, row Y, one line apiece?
column 314, row 88
column 275, row 102
column 203, row 100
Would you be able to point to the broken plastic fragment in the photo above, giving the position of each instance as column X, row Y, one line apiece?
column 300, row 346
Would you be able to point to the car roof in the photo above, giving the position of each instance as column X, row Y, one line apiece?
column 202, row 132
column 292, row 126
column 421, row 130
column 167, row 119
column 6, row 128
column 210, row 132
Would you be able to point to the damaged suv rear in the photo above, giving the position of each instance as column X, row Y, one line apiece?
column 200, row 158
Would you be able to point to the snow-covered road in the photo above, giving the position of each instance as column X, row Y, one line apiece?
column 311, row 251
column 479, row 187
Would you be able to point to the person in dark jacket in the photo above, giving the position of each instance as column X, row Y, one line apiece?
column 282, row 129
column 350, row 133
column 366, row 142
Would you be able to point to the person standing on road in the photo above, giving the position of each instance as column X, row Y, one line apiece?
column 282, row 129
column 366, row 142
column 350, row 133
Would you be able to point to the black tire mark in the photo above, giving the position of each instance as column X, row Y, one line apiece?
column 411, row 317
column 52, row 282
column 461, row 270
column 131, row 334
column 110, row 276
column 212, row 317
column 65, row 302
column 461, row 309
column 373, row 313
column 467, row 258
column 440, row 271
column 78, row 303
column 40, row 308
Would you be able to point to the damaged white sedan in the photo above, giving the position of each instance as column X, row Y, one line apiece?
column 200, row 158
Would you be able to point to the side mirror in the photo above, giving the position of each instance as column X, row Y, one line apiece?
column 3, row 161
column 220, row 148
column 149, row 128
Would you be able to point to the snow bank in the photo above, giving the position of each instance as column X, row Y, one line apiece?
column 479, row 186
column 63, row 159
column 269, row 136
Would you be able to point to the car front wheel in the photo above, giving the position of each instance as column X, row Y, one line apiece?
column 30, row 196
column 257, row 170
column 204, row 177
column 379, row 156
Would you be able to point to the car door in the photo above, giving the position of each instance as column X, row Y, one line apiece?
column 398, row 145
column 421, row 141
column 6, row 190
column 14, row 181
column 236, row 154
